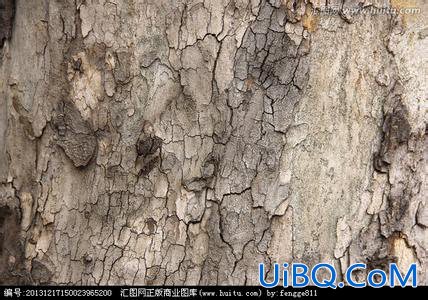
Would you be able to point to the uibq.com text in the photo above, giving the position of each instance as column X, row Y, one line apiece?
column 301, row 276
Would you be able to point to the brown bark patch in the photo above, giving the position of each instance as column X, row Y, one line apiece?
column 11, row 250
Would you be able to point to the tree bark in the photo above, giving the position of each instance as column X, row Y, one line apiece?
column 185, row 142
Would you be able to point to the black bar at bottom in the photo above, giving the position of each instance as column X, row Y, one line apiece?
column 193, row 292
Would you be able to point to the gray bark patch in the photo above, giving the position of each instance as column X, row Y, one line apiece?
column 40, row 273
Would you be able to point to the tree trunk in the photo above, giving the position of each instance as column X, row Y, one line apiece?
column 185, row 142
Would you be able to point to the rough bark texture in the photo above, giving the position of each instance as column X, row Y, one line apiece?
column 185, row 142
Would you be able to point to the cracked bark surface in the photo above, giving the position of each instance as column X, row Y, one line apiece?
column 185, row 142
